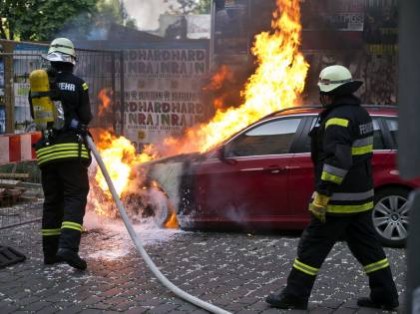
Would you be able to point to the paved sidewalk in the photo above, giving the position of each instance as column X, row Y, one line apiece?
column 233, row 271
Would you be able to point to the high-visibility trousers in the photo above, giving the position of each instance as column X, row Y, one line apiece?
column 66, row 186
column 317, row 241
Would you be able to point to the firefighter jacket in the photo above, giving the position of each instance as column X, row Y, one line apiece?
column 66, row 143
column 341, row 147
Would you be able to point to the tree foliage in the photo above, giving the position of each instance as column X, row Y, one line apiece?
column 112, row 11
column 42, row 20
column 189, row 6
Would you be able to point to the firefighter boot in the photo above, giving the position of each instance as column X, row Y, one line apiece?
column 72, row 258
column 368, row 302
column 296, row 294
column 285, row 301
column 383, row 293
column 50, row 247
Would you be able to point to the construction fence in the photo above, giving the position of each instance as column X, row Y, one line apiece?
column 20, row 182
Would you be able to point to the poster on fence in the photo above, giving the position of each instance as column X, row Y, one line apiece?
column 163, row 91
column 339, row 15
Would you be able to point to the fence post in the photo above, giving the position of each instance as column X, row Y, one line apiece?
column 114, row 107
column 9, row 98
column 122, row 95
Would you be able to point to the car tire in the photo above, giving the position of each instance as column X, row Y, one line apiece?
column 390, row 216
column 161, row 216
column 162, row 208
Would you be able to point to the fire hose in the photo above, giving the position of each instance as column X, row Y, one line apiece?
column 138, row 243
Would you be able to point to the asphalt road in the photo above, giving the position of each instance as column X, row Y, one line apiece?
column 231, row 270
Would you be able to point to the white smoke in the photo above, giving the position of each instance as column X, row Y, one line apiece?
column 146, row 12
column 112, row 240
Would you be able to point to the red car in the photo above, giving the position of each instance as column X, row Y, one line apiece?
column 262, row 178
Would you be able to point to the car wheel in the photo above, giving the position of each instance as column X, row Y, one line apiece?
column 163, row 210
column 390, row 216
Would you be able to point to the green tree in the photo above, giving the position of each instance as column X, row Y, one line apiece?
column 190, row 6
column 203, row 7
column 112, row 11
column 41, row 20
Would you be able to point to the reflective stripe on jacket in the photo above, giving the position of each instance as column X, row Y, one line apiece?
column 342, row 146
column 61, row 152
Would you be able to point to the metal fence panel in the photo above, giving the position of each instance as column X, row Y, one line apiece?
column 20, row 183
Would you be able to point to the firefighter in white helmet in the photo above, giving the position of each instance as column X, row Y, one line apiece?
column 61, row 110
column 341, row 150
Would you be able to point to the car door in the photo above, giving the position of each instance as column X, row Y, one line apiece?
column 250, row 182
column 301, row 173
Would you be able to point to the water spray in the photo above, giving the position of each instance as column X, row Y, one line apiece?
column 139, row 245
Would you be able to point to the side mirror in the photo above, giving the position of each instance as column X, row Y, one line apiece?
column 221, row 154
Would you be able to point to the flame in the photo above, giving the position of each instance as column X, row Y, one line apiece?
column 276, row 84
column 105, row 100
column 119, row 155
column 172, row 222
column 224, row 73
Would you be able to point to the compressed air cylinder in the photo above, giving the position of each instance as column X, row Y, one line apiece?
column 42, row 104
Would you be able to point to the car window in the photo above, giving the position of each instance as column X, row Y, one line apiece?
column 378, row 140
column 305, row 145
column 392, row 124
column 274, row 137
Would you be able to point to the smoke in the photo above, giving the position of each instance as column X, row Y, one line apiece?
column 112, row 240
column 146, row 12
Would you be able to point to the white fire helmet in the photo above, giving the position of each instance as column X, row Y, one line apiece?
column 61, row 50
column 335, row 76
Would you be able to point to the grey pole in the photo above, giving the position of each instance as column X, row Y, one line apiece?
column 409, row 136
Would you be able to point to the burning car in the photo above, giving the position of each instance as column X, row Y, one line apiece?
column 261, row 178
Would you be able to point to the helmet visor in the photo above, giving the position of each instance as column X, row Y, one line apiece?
column 60, row 57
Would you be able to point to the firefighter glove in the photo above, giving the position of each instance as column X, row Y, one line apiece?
column 79, row 127
column 318, row 207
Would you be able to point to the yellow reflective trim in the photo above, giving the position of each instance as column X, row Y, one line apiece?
column 305, row 268
column 62, row 156
column 58, row 158
column 337, row 121
column 59, row 147
column 330, row 177
column 376, row 266
column 50, row 232
column 52, row 147
column 362, row 150
column 346, row 209
column 71, row 225
column 43, row 156
column 85, row 86
column 69, row 151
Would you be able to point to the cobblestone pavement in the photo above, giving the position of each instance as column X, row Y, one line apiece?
column 233, row 271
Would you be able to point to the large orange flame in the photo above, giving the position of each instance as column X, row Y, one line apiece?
column 276, row 84
column 119, row 155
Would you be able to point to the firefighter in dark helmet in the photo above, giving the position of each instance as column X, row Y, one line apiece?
column 61, row 110
column 342, row 144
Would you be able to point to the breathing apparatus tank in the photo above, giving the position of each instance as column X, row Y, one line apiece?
column 48, row 110
column 42, row 104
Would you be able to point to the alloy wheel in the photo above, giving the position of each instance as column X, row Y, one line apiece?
column 390, row 217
